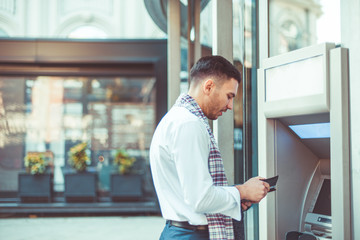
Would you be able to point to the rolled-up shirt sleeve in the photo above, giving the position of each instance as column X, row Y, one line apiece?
column 191, row 148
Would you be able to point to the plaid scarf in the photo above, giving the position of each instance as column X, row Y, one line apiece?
column 220, row 226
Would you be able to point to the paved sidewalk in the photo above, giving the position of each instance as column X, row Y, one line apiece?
column 81, row 228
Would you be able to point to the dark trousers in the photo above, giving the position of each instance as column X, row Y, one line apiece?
column 239, row 231
column 176, row 233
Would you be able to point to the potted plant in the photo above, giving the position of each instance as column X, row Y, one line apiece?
column 124, row 162
column 126, row 182
column 78, row 157
column 35, row 163
column 80, row 185
column 36, row 183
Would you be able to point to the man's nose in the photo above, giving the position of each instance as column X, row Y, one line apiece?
column 230, row 104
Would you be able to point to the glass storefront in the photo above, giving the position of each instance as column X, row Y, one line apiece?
column 54, row 113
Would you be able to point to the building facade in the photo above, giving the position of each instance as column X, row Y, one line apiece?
column 257, row 30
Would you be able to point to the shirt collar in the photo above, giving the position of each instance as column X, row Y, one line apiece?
column 185, row 100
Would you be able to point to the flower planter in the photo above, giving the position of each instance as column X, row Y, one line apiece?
column 126, row 187
column 80, row 187
column 35, row 188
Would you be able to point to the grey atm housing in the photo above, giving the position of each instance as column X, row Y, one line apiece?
column 306, row 86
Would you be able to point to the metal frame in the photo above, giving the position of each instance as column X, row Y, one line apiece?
column 340, row 144
column 302, row 105
column 174, row 55
column 223, row 45
column 350, row 37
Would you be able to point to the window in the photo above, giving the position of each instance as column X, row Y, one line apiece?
column 58, row 99
column 54, row 113
column 294, row 24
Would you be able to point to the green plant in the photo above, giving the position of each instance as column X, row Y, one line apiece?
column 78, row 157
column 124, row 162
column 35, row 163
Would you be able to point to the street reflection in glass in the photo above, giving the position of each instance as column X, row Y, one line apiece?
column 54, row 113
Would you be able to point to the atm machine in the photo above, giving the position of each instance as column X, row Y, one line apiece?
column 303, row 132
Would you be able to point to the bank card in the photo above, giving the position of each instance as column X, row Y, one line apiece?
column 272, row 182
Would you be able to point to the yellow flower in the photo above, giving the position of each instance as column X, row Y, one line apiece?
column 78, row 157
column 124, row 162
column 35, row 163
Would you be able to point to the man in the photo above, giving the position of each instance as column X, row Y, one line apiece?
column 185, row 161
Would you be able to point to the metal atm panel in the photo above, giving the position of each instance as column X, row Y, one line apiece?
column 295, row 165
column 310, row 170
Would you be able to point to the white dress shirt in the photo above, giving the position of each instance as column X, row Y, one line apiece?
column 179, row 155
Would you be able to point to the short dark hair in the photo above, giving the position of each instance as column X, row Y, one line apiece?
column 213, row 66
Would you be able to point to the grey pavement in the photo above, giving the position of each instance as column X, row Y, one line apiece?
column 82, row 228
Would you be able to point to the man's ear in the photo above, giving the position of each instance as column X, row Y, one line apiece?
column 208, row 86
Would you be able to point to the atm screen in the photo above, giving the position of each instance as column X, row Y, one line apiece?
column 323, row 202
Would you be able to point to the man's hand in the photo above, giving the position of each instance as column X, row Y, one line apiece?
column 245, row 205
column 254, row 189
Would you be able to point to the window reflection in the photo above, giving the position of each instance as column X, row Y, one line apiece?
column 295, row 24
column 290, row 36
column 52, row 113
